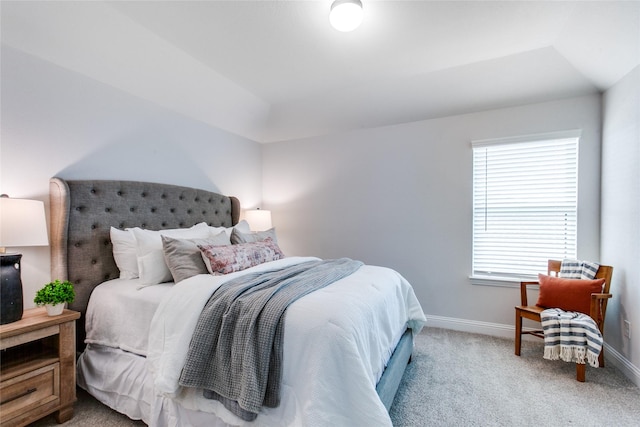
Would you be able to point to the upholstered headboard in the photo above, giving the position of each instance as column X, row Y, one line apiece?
column 82, row 213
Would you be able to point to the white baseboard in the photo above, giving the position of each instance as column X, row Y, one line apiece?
column 507, row 331
column 619, row 361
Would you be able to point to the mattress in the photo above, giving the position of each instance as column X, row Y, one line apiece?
column 337, row 342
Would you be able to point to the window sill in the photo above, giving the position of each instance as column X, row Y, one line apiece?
column 499, row 281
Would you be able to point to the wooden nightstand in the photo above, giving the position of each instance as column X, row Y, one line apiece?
column 38, row 367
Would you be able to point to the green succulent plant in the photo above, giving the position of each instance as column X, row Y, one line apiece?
column 55, row 292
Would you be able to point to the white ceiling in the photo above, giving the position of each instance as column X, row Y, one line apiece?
column 276, row 70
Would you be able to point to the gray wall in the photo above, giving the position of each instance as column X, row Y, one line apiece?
column 60, row 123
column 400, row 196
column 621, row 214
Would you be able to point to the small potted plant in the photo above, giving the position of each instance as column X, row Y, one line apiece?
column 54, row 296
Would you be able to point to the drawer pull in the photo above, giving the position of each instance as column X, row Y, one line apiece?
column 26, row 393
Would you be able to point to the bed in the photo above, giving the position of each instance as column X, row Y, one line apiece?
column 345, row 346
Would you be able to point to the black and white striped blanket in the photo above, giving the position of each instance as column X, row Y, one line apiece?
column 570, row 336
column 576, row 269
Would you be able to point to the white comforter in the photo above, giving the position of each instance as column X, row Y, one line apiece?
column 119, row 314
column 336, row 345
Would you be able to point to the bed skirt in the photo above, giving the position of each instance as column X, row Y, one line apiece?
column 121, row 380
column 131, row 391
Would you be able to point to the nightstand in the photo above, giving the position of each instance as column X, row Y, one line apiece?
column 38, row 367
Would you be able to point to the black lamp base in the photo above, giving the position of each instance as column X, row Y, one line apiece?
column 11, row 288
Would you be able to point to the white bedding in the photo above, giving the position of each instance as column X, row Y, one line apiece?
column 120, row 299
column 336, row 345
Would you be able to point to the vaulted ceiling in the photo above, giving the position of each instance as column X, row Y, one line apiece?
column 276, row 70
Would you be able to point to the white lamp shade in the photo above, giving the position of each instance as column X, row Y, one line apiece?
column 258, row 219
column 22, row 223
column 346, row 15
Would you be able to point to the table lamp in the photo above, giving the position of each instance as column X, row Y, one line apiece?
column 258, row 219
column 22, row 223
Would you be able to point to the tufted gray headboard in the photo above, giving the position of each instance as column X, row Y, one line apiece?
column 82, row 213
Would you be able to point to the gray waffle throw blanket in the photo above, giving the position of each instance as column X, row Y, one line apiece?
column 235, row 353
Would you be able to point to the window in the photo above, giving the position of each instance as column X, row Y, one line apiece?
column 525, row 199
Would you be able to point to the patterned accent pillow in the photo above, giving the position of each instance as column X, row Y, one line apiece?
column 227, row 259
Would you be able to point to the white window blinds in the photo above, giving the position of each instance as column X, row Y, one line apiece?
column 524, row 203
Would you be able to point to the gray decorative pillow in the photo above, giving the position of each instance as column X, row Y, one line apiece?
column 238, row 237
column 183, row 256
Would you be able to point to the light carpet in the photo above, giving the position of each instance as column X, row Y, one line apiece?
column 462, row 379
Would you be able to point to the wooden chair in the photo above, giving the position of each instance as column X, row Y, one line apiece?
column 597, row 310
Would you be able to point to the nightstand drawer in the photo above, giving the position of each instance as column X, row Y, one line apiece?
column 37, row 367
column 29, row 394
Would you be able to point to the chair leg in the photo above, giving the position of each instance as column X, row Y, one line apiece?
column 601, row 358
column 518, row 333
column 581, row 371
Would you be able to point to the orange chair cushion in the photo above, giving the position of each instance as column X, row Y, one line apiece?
column 567, row 294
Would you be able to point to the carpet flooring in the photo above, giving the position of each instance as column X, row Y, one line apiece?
column 462, row 379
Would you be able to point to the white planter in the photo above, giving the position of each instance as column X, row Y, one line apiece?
column 54, row 310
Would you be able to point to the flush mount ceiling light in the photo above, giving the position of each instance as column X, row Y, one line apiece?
column 346, row 15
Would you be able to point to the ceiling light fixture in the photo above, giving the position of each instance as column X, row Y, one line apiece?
column 346, row 15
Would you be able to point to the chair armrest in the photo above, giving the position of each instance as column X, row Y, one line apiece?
column 523, row 291
column 596, row 303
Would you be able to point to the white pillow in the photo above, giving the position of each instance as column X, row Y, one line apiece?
column 124, row 252
column 242, row 226
column 152, row 267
